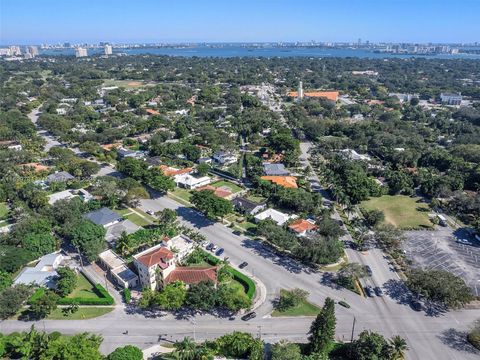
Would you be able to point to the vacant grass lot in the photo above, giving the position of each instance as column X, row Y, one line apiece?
column 84, row 288
column 82, row 313
column 401, row 211
column 234, row 188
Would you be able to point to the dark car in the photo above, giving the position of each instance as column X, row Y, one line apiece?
column 210, row 246
column 378, row 291
column 369, row 291
column 243, row 265
column 369, row 270
column 249, row 316
column 219, row 252
column 416, row 305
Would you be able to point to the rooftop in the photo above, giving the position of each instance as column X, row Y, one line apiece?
column 276, row 169
column 301, row 225
column 103, row 216
column 285, row 181
column 275, row 215
column 59, row 176
column 170, row 171
column 155, row 256
column 193, row 275
column 329, row 95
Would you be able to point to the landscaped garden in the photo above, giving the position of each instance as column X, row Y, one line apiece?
column 402, row 211
column 294, row 303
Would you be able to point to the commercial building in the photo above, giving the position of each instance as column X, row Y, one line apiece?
column 108, row 49
column 80, row 52
column 32, row 50
column 451, row 98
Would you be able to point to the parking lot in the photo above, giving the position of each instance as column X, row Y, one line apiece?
column 439, row 249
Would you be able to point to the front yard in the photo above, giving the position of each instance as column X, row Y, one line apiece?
column 82, row 313
column 180, row 193
column 234, row 188
column 84, row 289
column 401, row 211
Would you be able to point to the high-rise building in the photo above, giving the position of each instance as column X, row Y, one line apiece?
column 67, row 45
column 300, row 91
column 108, row 49
column 80, row 52
column 32, row 50
column 15, row 50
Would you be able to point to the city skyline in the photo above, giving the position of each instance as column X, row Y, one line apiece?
column 53, row 21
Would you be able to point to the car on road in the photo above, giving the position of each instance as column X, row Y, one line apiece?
column 210, row 246
column 249, row 316
column 214, row 248
column 150, row 212
column 204, row 244
column 220, row 251
column 243, row 265
column 378, row 291
column 368, row 269
column 344, row 304
column 369, row 291
column 464, row 242
column 416, row 305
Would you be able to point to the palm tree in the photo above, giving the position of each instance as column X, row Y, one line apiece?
column 184, row 350
column 398, row 347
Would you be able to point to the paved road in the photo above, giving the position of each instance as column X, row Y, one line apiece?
column 50, row 141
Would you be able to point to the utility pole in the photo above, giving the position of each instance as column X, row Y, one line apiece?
column 353, row 328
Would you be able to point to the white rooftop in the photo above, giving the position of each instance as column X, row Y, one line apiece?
column 277, row 216
column 61, row 195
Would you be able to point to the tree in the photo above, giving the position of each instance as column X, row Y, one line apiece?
column 203, row 169
column 233, row 300
column 398, row 347
column 370, row 346
column 39, row 244
column 172, row 297
column 440, row 286
column 184, row 350
column 202, row 296
column 5, row 280
column 88, row 237
column 322, row 330
column 239, row 345
column 211, row 205
column 285, row 350
column 290, row 299
column 128, row 352
column 167, row 216
column 12, row 299
column 389, row 237
column 373, row 217
column 67, row 281
column 473, row 336
column 44, row 305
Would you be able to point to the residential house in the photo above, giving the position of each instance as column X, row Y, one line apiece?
column 43, row 273
column 247, row 206
column 353, row 155
column 221, row 191
column 188, row 181
column 206, row 160
column 116, row 230
column 171, row 171
column 126, row 153
column 181, row 245
column 152, row 112
column 34, row 166
column 285, row 181
column 302, row 227
column 275, row 169
column 278, row 217
column 60, row 176
column 103, row 217
column 224, row 158
column 118, row 269
column 61, row 195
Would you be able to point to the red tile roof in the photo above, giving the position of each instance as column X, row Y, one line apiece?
column 193, row 275
column 301, row 225
column 152, row 112
column 329, row 95
column 156, row 257
column 37, row 167
column 285, row 181
column 169, row 171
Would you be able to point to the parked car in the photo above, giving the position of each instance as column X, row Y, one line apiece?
column 416, row 305
column 210, row 246
column 378, row 291
column 220, row 251
column 243, row 265
column 369, row 270
column 150, row 212
column 464, row 242
column 249, row 316
column 204, row 244
column 369, row 291
column 214, row 248
column 344, row 304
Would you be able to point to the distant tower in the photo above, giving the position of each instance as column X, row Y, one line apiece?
column 80, row 52
column 108, row 49
column 300, row 91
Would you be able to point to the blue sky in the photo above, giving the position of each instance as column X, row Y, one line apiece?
column 50, row 21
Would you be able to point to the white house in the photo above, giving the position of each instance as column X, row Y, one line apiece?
column 188, row 181
column 119, row 271
column 181, row 245
column 278, row 217
column 43, row 273
column 224, row 158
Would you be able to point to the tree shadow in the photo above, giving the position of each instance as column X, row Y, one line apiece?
column 194, row 217
column 328, row 279
column 457, row 340
column 133, row 309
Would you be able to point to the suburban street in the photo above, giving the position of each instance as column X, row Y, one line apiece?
column 429, row 336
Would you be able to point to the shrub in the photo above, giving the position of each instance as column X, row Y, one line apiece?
column 127, row 295
column 473, row 336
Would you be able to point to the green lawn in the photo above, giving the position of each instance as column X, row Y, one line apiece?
column 303, row 309
column 3, row 211
column 234, row 188
column 81, row 314
column 144, row 214
column 137, row 219
column 183, row 194
column 401, row 211
column 84, row 288
column 122, row 211
column 129, row 84
column 247, row 225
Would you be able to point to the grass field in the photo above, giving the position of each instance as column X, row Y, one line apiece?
column 137, row 219
column 122, row 211
column 3, row 211
column 234, row 188
column 303, row 309
column 81, row 314
column 183, row 194
column 401, row 211
column 84, row 288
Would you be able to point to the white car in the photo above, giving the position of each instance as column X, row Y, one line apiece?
column 150, row 212
column 204, row 243
column 214, row 248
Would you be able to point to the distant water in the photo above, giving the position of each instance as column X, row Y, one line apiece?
column 238, row 51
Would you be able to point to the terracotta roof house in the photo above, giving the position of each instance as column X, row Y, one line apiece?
column 109, row 147
column 152, row 112
column 302, row 227
column 37, row 167
column 193, row 275
column 170, row 171
column 328, row 95
column 285, row 181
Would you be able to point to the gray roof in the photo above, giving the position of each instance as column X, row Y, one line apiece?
column 103, row 216
column 245, row 204
column 43, row 274
column 116, row 230
column 275, row 169
column 60, row 176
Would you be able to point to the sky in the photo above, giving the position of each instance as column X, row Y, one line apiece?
column 121, row 21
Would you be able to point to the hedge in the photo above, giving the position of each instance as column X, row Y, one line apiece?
column 105, row 298
column 243, row 279
column 127, row 295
